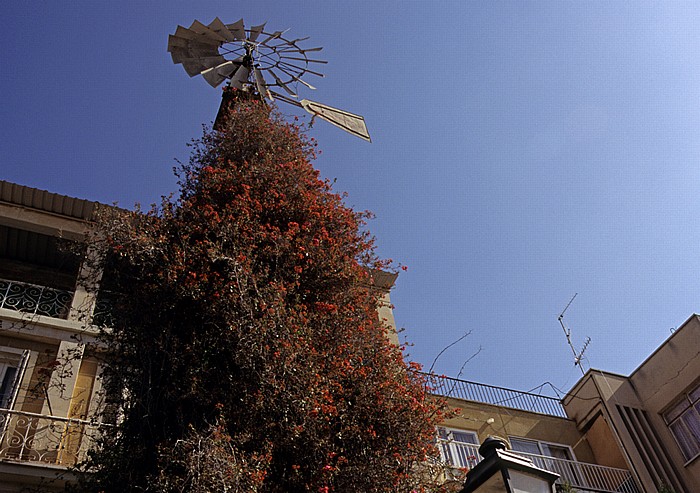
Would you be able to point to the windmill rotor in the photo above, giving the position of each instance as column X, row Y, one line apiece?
column 255, row 60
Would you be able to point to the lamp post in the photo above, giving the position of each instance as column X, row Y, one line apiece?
column 502, row 471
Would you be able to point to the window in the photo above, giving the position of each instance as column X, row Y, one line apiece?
column 527, row 446
column 537, row 447
column 683, row 419
column 12, row 365
column 459, row 448
column 553, row 457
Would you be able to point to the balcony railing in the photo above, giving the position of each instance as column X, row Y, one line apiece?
column 34, row 299
column 104, row 313
column 498, row 396
column 36, row 438
column 587, row 477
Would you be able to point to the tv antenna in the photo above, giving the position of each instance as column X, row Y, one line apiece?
column 578, row 355
column 255, row 63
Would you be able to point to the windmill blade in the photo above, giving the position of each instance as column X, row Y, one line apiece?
column 193, row 67
column 205, row 62
column 260, row 83
column 179, row 54
column 238, row 30
column 213, row 77
column 183, row 32
column 240, row 76
column 202, row 51
column 204, row 31
column 350, row 122
column 192, row 47
column 255, row 32
column 220, row 28
column 223, row 69
column 176, row 42
column 282, row 84
column 227, row 69
column 186, row 48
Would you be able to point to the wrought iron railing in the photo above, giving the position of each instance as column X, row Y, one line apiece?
column 498, row 396
column 34, row 299
column 588, row 477
column 36, row 438
column 103, row 314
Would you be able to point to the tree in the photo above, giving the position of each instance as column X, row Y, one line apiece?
column 246, row 353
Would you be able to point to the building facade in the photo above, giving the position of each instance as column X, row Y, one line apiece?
column 48, row 383
column 610, row 433
column 535, row 426
column 652, row 417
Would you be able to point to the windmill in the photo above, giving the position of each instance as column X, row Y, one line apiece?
column 256, row 63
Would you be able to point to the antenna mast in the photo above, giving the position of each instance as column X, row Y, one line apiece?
column 567, row 332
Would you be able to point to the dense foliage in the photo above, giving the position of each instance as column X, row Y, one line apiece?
column 246, row 353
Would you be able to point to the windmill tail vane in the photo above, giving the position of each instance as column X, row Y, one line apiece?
column 256, row 63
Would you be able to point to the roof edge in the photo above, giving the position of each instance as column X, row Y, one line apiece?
column 43, row 200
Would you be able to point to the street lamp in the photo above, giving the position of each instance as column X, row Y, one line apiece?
column 502, row 471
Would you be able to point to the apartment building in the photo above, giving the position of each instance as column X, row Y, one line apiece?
column 648, row 421
column 536, row 426
column 48, row 383
column 610, row 433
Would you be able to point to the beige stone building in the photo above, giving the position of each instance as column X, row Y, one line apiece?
column 48, row 385
column 536, row 426
column 648, row 421
column 610, row 433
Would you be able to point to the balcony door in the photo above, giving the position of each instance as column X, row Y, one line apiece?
column 553, row 457
column 13, row 362
column 458, row 448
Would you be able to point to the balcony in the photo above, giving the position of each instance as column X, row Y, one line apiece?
column 35, row 299
column 497, row 396
column 104, row 313
column 580, row 475
column 39, row 439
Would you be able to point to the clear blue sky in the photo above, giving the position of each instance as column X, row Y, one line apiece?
column 523, row 152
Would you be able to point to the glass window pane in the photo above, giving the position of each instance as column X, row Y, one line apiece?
column 692, row 422
column 464, row 437
column 695, row 394
column 522, row 482
column 458, row 447
column 676, row 410
column 686, row 441
column 6, row 388
column 527, row 446
column 556, row 451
